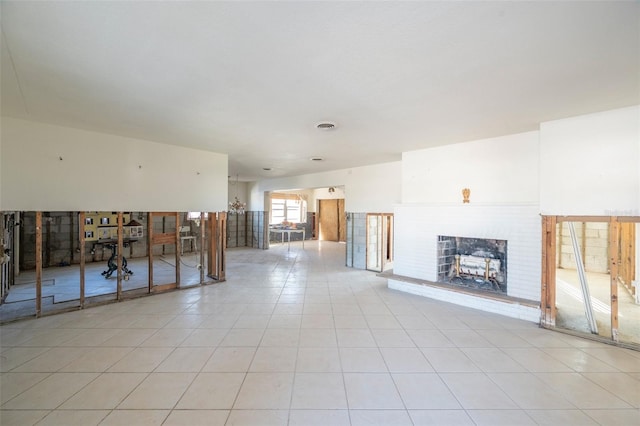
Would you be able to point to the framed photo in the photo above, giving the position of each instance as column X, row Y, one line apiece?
column 135, row 231
column 104, row 233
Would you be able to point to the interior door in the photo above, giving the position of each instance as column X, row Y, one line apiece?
column 332, row 224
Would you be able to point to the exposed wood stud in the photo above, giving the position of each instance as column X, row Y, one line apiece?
column 213, row 245
column 548, row 287
column 81, row 220
column 119, row 257
column 38, row 264
column 613, row 274
column 203, row 234
column 150, row 238
column 222, row 251
column 178, row 243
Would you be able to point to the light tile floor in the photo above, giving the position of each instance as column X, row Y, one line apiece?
column 296, row 338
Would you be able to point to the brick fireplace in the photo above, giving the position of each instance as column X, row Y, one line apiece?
column 428, row 238
column 476, row 263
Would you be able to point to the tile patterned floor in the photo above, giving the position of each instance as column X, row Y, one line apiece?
column 295, row 338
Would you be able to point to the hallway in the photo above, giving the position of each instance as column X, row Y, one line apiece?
column 295, row 338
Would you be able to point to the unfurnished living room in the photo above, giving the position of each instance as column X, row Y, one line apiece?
column 319, row 213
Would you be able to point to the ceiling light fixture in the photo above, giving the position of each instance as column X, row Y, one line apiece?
column 236, row 207
column 316, row 159
column 266, row 169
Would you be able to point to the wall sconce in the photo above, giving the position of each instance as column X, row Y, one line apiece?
column 466, row 192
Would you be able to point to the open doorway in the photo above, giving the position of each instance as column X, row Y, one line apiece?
column 379, row 241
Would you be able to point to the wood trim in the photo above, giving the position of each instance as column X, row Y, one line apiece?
column 83, row 256
column 38, row 264
column 581, row 218
column 159, row 214
column 629, row 219
column 614, row 232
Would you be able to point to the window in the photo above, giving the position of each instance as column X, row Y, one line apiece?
column 287, row 207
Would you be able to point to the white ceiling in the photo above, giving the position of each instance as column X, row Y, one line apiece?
column 252, row 79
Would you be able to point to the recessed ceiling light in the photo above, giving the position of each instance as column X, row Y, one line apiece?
column 326, row 125
column 316, row 159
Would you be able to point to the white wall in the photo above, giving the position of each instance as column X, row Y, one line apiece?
column 374, row 188
column 324, row 194
column 586, row 165
column 497, row 170
column 239, row 189
column 101, row 172
column 503, row 176
column 590, row 165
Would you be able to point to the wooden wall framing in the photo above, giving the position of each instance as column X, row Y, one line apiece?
column 216, row 262
column 216, row 224
column 621, row 257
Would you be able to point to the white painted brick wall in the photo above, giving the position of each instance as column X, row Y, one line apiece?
column 417, row 227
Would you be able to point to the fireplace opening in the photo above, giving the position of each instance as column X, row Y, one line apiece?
column 476, row 263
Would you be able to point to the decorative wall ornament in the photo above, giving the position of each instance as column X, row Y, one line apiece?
column 466, row 192
column 237, row 207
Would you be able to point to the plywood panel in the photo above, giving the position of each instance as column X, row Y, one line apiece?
column 342, row 222
column 329, row 230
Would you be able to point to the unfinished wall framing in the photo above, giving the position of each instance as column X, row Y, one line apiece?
column 566, row 296
column 44, row 288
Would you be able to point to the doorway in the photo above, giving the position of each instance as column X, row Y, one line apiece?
column 332, row 223
column 379, row 241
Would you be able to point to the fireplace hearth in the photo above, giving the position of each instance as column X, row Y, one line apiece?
column 476, row 263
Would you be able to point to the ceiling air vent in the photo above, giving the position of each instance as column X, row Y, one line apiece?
column 326, row 125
